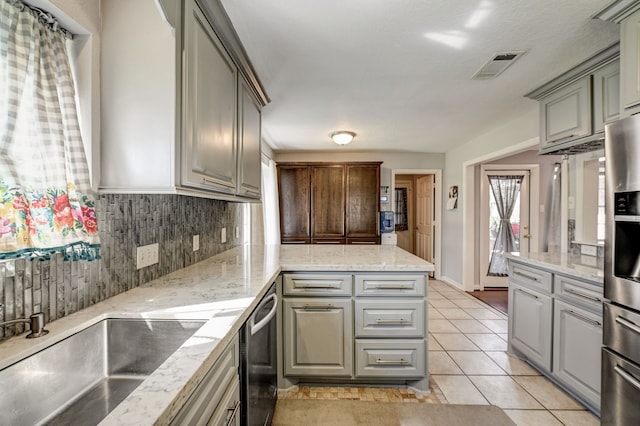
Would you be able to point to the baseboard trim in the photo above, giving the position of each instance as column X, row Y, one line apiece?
column 451, row 282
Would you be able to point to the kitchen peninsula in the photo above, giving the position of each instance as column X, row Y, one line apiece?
column 223, row 290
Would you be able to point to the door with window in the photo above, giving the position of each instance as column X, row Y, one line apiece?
column 504, row 223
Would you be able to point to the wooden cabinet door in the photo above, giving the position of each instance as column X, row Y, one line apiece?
column 249, row 147
column 577, row 339
column 363, row 200
column 294, row 186
column 209, row 106
column 318, row 337
column 327, row 201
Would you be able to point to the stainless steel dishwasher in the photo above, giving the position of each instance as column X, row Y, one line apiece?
column 258, row 374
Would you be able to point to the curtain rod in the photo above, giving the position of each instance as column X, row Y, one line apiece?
column 44, row 17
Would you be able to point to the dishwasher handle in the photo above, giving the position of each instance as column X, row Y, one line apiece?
column 253, row 327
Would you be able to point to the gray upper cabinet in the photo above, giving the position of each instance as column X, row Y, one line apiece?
column 575, row 106
column 566, row 114
column 606, row 96
column 209, row 153
column 630, row 63
column 181, row 105
column 249, row 159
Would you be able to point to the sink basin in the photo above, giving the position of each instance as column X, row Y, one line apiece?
column 81, row 379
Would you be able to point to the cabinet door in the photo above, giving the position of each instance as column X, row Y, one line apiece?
column 566, row 113
column 606, row 96
column 630, row 63
column 577, row 342
column 209, row 107
column 294, row 186
column 249, row 148
column 318, row 337
column 530, row 324
column 363, row 200
column 327, row 201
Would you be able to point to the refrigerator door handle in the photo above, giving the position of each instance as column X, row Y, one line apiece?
column 628, row 324
column 627, row 377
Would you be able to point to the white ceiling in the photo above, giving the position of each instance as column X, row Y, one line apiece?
column 398, row 73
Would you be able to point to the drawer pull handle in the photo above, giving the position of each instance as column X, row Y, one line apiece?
column 319, row 287
column 584, row 296
column 584, row 318
column 317, row 308
column 626, row 323
column 391, row 321
column 232, row 413
column 400, row 361
column 633, row 381
column 527, row 276
column 393, row 287
column 527, row 293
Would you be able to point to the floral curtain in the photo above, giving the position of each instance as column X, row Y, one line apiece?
column 505, row 191
column 45, row 202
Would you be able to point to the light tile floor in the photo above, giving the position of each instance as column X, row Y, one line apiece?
column 469, row 364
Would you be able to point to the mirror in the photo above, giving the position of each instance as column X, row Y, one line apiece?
column 586, row 196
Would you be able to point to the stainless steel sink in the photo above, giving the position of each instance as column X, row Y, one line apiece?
column 82, row 378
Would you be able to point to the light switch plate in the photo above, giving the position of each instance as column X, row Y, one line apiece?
column 196, row 242
column 237, row 232
column 223, row 235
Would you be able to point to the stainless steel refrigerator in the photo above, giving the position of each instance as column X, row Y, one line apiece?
column 621, row 314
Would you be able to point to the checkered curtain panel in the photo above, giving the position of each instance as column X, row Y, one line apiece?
column 45, row 200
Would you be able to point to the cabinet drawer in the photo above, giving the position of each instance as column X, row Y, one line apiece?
column 578, row 292
column 530, row 277
column 207, row 396
column 228, row 412
column 391, row 285
column 383, row 318
column 317, row 285
column 390, row 358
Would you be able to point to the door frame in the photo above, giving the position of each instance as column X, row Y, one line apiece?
column 469, row 246
column 437, row 239
column 533, row 187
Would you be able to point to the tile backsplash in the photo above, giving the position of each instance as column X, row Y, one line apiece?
column 125, row 221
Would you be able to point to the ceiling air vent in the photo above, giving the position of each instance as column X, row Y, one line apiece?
column 497, row 64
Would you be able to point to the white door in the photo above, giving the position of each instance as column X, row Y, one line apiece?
column 491, row 236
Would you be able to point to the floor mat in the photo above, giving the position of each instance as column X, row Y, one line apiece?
column 290, row 412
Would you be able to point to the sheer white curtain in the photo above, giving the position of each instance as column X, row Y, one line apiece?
column 270, row 210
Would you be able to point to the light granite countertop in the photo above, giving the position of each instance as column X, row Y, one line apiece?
column 223, row 290
column 578, row 266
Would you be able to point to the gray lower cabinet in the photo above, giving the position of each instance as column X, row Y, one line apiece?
column 577, row 340
column 555, row 323
column 318, row 337
column 216, row 399
column 530, row 324
column 366, row 326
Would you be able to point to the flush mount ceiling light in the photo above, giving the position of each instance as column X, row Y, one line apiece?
column 342, row 137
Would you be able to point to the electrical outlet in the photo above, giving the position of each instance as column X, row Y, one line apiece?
column 223, row 236
column 237, row 232
column 196, row 242
column 147, row 255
